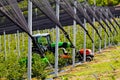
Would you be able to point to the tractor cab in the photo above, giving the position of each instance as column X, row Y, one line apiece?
column 43, row 40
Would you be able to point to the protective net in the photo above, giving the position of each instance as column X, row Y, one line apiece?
column 110, row 14
column 68, row 8
column 47, row 9
column 91, row 11
column 41, row 22
column 98, row 13
column 106, row 16
column 83, row 12
column 11, row 10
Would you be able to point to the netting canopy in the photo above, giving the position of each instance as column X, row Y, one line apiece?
column 67, row 8
column 11, row 10
column 91, row 12
column 86, row 16
column 103, row 19
column 110, row 14
column 106, row 16
column 46, row 8
column 47, row 19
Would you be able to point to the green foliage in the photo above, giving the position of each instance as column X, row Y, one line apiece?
column 14, row 67
column 104, row 67
column 104, row 2
column 11, row 69
column 38, row 68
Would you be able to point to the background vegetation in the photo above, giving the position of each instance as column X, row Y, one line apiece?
column 14, row 66
column 103, row 2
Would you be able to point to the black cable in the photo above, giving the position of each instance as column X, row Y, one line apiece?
column 109, row 13
column 81, row 10
column 67, row 8
column 104, row 20
column 88, row 8
column 45, row 8
column 104, row 14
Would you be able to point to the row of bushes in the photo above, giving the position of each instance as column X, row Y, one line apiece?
column 14, row 67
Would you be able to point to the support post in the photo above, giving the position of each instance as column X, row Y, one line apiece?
column 105, row 38
column 69, row 29
column 0, row 43
column 84, row 57
column 15, row 43
column 64, row 38
column 100, row 41
column 29, row 40
column 9, row 43
column 53, row 33
column 108, row 31
column 5, row 55
column 74, row 34
column 18, row 43
column 57, row 39
column 93, row 31
column 23, row 39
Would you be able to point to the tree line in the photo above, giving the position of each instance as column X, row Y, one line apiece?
column 103, row 2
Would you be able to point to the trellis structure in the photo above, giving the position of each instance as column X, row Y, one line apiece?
column 15, row 21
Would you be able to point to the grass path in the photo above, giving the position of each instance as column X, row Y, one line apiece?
column 105, row 66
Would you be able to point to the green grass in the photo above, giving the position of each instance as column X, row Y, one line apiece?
column 106, row 66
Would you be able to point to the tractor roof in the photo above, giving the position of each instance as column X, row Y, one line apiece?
column 43, row 34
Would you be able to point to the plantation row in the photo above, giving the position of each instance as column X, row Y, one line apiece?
column 13, row 54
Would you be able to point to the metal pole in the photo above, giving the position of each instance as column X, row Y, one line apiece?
column 0, row 43
column 119, row 30
column 18, row 43
column 53, row 33
column 69, row 30
column 105, row 43
column 29, row 40
column 9, row 43
column 74, row 34
column 93, row 31
column 84, row 59
column 108, row 30
column 38, row 31
column 115, row 34
column 5, row 55
column 64, row 38
column 112, row 41
column 57, row 39
column 100, row 42
column 23, row 39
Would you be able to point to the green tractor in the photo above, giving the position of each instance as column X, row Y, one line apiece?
column 45, row 43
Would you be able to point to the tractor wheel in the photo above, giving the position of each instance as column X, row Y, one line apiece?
column 88, row 58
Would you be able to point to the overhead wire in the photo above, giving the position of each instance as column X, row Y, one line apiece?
column 98, row 13
column 110, row 14
column 106, row 16
column 86, row 16
column 91, row 11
